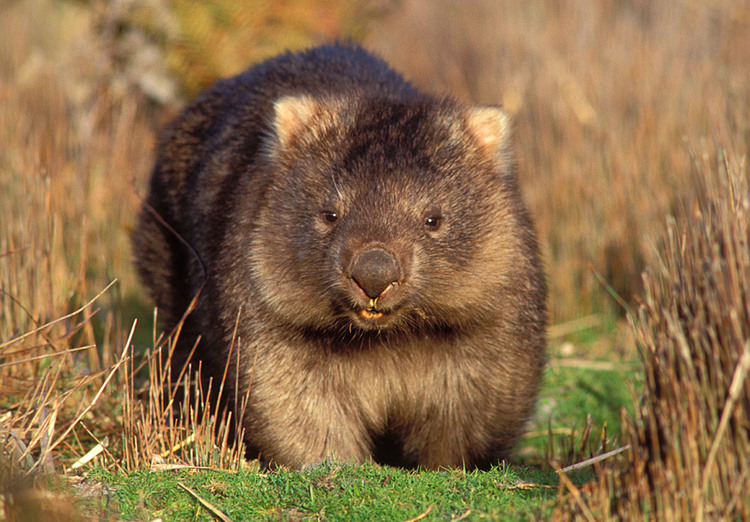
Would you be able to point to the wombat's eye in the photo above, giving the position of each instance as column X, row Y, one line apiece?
column 432, row 223
column 330, row 216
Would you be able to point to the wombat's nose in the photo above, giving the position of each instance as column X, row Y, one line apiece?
column 374, row 270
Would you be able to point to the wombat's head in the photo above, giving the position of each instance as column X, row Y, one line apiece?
column 388, row 215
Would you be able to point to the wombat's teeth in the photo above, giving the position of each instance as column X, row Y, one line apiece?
column 371, row 311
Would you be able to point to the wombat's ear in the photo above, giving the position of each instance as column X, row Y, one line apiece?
column 292, row 115
column 490, row 126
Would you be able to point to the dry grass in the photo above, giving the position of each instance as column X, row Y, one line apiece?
column 169, row 49
column 690, row 439
column 171, row 422
column 70, row 149
column 607, row 97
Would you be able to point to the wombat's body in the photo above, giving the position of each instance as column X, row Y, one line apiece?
column 366, row 248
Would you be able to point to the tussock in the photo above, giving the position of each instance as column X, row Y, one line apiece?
column 690, row 438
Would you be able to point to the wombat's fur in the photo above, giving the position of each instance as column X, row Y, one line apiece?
column 366, row 247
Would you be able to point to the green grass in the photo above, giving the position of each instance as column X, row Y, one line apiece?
column 334, row 492
column 569, row 393
column 591, row 379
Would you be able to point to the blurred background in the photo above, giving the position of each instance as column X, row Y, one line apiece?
column 613, row 103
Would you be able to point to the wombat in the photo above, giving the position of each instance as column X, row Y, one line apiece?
column 363, row 262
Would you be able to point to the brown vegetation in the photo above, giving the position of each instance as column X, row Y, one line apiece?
column 689, row 452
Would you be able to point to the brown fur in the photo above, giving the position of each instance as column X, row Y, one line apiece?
column 370, row 245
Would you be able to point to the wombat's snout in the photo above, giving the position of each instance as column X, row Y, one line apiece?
column 374, row 271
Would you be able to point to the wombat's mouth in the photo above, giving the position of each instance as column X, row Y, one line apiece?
column 370, row 314
column 374, row 317
column 374, row 313
column 368, row 319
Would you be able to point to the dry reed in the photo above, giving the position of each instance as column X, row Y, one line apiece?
column 690, row 438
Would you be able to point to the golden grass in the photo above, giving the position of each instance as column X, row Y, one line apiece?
column 70, row 149
column 689, row 455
